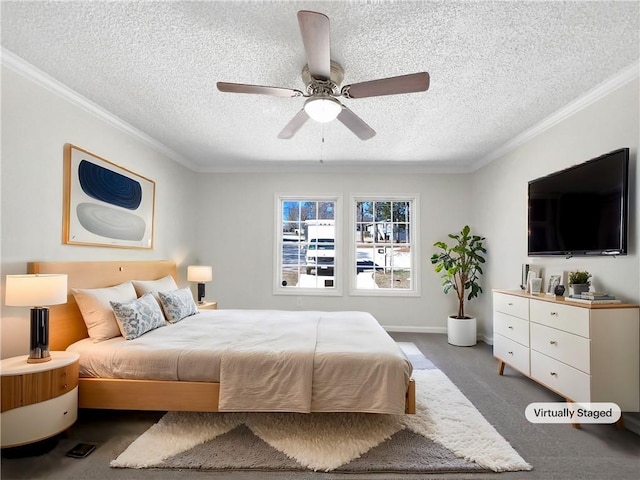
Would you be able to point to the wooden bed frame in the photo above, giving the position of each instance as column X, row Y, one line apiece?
column 67, row 326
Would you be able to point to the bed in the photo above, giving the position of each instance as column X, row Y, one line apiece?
column 211, row 388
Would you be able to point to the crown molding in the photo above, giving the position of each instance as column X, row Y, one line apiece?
column 21, row 67
column 623, row 77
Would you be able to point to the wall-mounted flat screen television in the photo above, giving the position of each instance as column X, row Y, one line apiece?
column 582, row 210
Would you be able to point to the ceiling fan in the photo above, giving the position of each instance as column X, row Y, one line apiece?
column 322, row 77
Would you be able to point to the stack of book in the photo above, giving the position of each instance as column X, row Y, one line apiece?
column 594, row 298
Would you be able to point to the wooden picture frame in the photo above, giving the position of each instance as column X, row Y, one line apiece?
column 105, row 204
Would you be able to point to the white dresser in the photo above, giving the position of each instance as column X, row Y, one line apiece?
column 586, row 353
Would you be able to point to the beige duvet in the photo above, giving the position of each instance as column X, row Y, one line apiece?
column 266, row 360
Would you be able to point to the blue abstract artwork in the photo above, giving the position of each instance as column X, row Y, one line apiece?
column 106, row 204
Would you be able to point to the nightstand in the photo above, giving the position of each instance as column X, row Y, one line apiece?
column 207, row 306
column 39, row 400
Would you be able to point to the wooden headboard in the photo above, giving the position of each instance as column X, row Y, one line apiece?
column 65, row 321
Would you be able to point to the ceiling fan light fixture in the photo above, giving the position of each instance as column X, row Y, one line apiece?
column 322, row 109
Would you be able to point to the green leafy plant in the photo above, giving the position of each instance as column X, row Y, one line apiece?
column 460, row 265
column 579, row 278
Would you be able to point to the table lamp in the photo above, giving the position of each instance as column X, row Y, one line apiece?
column 200, row 274
column 37, row 291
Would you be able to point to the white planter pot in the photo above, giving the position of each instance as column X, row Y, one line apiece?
column 578, row 288
column 462, row 332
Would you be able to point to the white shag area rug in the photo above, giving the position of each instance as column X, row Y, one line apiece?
column 326, row 442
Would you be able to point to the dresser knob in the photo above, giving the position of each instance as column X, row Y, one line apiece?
column 510, row 353
column 510, row 304
column 66, row 411
column 554, row 314
column 510, row 327
column 554, row 374
column 553, row 342
column 64, row 386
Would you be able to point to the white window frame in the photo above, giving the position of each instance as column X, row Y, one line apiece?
column 337, row 289
column 414, row 217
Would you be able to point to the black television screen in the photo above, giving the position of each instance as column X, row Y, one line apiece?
column 581, row 210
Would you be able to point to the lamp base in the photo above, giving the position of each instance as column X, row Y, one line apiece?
column 39, row 360
column 39, row 345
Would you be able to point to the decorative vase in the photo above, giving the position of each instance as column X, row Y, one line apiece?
column 559, row 290
column 462, row 332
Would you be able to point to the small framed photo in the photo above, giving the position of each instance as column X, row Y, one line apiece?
column 554, row 281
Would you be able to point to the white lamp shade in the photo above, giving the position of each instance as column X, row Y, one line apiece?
column 35, row 290
column 322, row 109
column 199, row 273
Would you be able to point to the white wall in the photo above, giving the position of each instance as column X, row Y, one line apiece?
column 36, row 124
column 236, row 235
column 500, row 190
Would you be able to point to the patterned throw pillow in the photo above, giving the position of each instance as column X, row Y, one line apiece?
column 178, row 304
column 137, row 317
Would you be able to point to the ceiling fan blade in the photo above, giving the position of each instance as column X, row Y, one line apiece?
column 355, row 124
column 294, row 125
column 258, row 89
column 415, row 82
column 314, row 28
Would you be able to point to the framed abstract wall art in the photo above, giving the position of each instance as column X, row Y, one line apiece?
column 105, row 204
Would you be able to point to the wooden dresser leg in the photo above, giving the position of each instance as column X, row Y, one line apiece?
column 500, row 367
column 620, row 423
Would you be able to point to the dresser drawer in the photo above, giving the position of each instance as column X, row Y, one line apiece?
column 511, row 305
column 564, row 317
column 565, row 380
column 511, row 327
column 566, row 347
column 512, row 353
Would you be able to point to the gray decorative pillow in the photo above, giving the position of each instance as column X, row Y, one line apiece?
column 137, row 317
column 178, row 304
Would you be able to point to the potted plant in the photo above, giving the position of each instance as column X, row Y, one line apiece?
column 579, row 282
column 461, row 266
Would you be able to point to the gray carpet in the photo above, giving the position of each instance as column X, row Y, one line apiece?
column 557, row 452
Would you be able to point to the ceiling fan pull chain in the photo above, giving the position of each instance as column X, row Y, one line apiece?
column 321, row 142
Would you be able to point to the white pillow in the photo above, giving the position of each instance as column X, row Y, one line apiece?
column 97, row 312
column 138, row 316
column 178, row 304
column 165, row 284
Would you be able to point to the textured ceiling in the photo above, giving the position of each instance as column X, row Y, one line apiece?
column 497, row 69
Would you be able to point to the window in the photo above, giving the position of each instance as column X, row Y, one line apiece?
column 385, row 256
column 307, row 248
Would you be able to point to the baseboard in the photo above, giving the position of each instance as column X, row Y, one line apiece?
column 405, row 329
column 440, row 330
column 486, row 339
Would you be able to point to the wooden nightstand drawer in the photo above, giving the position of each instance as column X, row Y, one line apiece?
column 65, row 379
column 511, row 305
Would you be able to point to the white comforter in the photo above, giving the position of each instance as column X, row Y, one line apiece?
column 293, row 361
